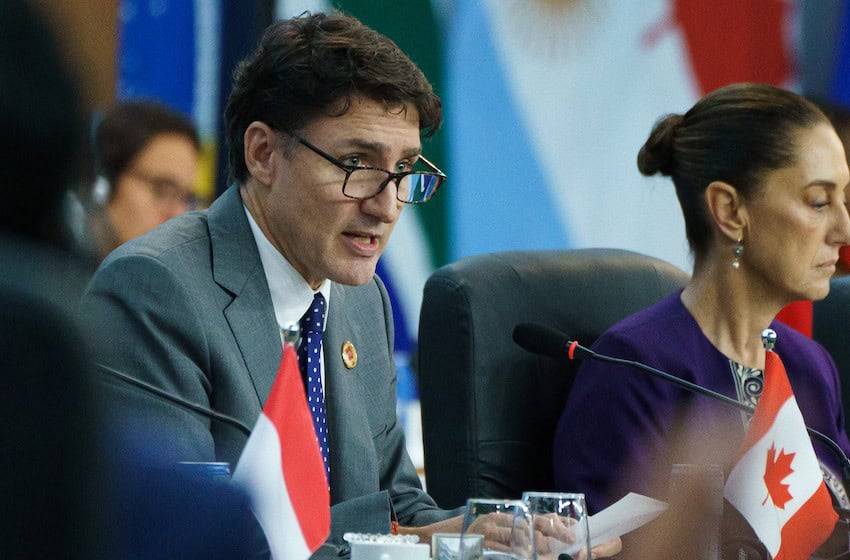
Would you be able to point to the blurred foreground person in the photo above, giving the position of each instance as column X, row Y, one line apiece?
column 148, row 159
column 62, row 496
column 49, row 489
column 760, row 174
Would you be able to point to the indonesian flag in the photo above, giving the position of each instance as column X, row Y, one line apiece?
column 281, row 469
column 777, row 484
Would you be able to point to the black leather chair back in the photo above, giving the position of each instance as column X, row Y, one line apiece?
column 489, row 408
column 831, row 327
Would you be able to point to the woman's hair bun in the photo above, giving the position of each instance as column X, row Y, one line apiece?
column 656, row 155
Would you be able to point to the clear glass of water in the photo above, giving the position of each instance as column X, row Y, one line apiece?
column 559, row 525
column 504, row 526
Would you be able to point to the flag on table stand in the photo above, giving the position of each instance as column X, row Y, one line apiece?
column 281, row 469
column 777, row 483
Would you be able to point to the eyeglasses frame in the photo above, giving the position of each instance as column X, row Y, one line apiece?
column 391, row 176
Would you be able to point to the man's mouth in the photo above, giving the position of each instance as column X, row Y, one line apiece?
column 362, row 243
column 362, row 238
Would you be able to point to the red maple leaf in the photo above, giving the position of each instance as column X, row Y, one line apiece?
column 776, row 470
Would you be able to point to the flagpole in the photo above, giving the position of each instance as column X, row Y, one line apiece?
column 768, row 339
column 791, row 516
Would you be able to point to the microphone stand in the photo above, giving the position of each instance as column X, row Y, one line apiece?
column 179, row 401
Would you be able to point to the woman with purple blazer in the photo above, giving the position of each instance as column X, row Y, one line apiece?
column 760, row 175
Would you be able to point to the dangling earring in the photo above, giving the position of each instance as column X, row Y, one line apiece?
column 738, row 252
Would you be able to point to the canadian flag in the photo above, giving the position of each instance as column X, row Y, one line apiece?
column 777, row 483
column 281, row 469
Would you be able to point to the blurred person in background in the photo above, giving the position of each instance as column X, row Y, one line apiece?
column 147, row 156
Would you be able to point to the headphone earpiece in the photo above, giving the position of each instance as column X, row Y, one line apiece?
column 100, row 191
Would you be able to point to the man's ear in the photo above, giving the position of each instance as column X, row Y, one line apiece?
column 260, row 141
column 727, row 209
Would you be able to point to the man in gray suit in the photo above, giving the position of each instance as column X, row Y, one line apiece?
column 324, row 124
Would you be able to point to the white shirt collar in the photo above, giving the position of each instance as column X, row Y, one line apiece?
column 291, row 295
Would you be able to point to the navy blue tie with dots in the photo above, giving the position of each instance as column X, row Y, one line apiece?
column 309, row 353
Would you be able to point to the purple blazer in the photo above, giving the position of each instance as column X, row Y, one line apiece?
column 615, row 433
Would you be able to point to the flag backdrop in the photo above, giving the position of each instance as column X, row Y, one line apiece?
column 777, row 483
column 549, row 102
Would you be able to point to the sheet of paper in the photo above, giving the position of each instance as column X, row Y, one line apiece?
column 627, row 514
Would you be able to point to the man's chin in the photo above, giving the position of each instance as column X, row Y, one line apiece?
column 356, row 275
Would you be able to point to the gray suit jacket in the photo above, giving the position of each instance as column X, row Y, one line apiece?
column 187, row 308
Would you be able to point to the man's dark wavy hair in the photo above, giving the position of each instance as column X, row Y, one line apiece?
column 302, row 68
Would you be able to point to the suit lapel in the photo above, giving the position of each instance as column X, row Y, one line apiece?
column 237, row 269
column 345, row 388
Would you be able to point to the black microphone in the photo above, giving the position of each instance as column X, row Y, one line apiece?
column 180, row 401
column 548, row 341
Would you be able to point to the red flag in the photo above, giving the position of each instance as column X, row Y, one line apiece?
column 777, row 483
column 281, row 468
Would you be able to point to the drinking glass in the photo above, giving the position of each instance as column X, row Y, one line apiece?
column 559, row 525
column 504, row 526
column 447, row 546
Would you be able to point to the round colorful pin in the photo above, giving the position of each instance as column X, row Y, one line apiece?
column 349, row 354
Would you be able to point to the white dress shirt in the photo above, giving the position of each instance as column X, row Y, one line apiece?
column 291, row 295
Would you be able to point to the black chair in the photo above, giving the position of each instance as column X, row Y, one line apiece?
column 489, row 408
column 830, row 327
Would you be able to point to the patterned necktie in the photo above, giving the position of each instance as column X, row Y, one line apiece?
column 309, row 355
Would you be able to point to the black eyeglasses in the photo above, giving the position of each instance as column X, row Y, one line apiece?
column 413, row 187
